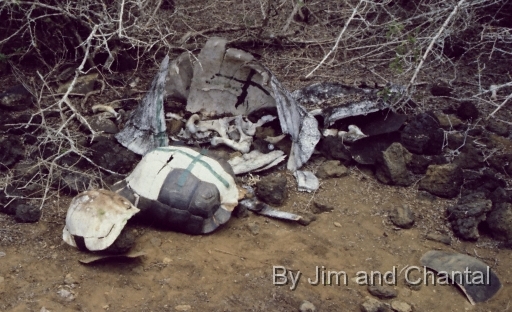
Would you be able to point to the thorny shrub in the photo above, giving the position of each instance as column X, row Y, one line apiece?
column 403, row 41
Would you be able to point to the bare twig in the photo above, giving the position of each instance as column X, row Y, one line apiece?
column 229, row 253
column 79, row 70
column 296, row 8
column 120, row 28
column 500, row 106
column 433, row 41
column 354, row 12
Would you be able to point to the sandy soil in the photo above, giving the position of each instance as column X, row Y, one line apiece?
column 232, row 269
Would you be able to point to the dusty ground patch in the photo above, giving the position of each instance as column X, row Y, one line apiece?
column 231, row 270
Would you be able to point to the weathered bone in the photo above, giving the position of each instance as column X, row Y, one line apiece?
column 275, row 139
column 104, row 108
column 245, row 128
column 353, row 134
column 195, row 124
column 330, row 132
column 256, row 160
column 244, row 144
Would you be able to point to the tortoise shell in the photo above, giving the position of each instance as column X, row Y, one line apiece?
column 96, row 218
column 180, row 189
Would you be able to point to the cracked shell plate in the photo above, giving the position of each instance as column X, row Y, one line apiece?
column 480, row 285
column 96, row 218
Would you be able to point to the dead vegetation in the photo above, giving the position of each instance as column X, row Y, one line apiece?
column 412, row 43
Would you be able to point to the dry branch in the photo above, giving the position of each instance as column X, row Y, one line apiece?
column 500, row 106
column 399, row 43
column 429, row 48
column 354, row 12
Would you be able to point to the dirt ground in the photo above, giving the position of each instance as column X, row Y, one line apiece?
column 232, row 269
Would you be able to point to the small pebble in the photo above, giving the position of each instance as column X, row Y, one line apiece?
column 402, row 217
column 337, row 224
column 306, row 219
column 182, row 307
column 307, row 306
column 66, row 294
column 68, row 280
column 373, row 305
column 445, row 239
column 2, row 254
column 321, row 205
column 400, row 306
column 155, row 241
column 405, row 292
column 253, row 227
column 382, row 291
column 414, row 277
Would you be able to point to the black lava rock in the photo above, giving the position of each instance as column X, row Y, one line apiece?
column 423, row 135
column 497, row 127
column 8, row 205
column 367, row 150
column 466, row 216
column 467, row 111
column 454, row 48
column 501, row 163
column 272, row 189
column 500, row 195
column 27, row 214
column 74, row 182
column 332, row 147
column 485, row 182
column 439, row 90
column 392, row 166
column 442, row 180
column 123, row 243
column 11, row 152
column 470, row 157
column 16, row 98
column 499, row 222
column 113, row 156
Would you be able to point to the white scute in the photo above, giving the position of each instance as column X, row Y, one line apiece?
column 99, row 216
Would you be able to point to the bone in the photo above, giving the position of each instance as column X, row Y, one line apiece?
column 249, row 128
column 174, row 116
column 494, row 92
column 244, row 128
column 353, row 134
column 272, row 164
column 275, row 139
column 104, row 108
column 316, row 112
column 330, row 132
column 195, row 124
column 244, row 144
column 256, row 160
